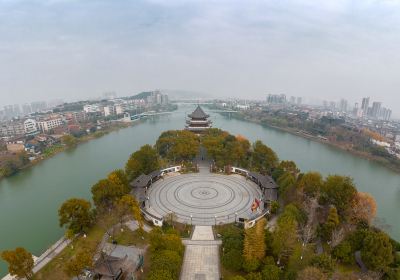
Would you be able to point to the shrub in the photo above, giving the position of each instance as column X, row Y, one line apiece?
column 232, row 259
column 159, row 274
column 254, row 276
column 274, row 207
column 270, row 272
column 167, row 260
column 343, row 252
column 237, row 277
column 251, row 265
column 323, row 262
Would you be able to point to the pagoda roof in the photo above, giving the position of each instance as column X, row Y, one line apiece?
column 198, row 113
column 109, row 267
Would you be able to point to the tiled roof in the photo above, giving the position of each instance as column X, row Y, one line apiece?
column 198, row 113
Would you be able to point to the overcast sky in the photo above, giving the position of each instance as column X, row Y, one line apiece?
column 78, row 49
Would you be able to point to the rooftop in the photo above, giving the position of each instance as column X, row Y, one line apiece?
column 198, row 114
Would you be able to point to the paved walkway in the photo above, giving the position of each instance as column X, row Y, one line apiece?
column 201, row 261
column 46, row 257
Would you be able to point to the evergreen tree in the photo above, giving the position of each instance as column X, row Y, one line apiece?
column 331, row 223
column 377, row 250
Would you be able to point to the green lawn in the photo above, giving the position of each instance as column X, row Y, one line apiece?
column 127, row 237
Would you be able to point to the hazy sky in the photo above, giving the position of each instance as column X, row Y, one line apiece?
column 77, row 49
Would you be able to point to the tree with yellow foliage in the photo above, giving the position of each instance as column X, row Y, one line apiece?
column 364, row 207
column 254, row 245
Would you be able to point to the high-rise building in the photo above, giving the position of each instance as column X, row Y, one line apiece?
column 17, row 110
column 343, row 105
column 299, row 100
column 26, row 109
column 9, row 111
column 376, row 108
column 38, row 106
column 364, row 105
column 292, row 100
column 385, row 114
column 276, row 99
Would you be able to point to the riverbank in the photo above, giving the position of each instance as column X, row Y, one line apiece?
column 58, row 148
column 322, row 140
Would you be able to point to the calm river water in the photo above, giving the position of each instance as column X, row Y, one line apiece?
column 29, row 201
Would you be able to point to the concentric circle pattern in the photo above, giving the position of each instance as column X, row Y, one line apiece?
column 203, row 199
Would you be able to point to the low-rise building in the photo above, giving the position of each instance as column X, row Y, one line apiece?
column 30, row 126
column 50, row 123
column 91, row 108
column 12, row 129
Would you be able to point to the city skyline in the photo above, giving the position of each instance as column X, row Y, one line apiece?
column 71, row 50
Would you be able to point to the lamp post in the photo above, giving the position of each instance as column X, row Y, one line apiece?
column 215, row 217
column 191, row 219
column 236, row 217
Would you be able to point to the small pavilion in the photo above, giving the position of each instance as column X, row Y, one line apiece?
column 198, row 121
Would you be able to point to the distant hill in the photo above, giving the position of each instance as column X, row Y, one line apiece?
column 142, row 95
column 186, row 94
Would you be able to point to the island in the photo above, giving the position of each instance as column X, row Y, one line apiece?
column 212, row 205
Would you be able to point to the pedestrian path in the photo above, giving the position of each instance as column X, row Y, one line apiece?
column 201, row 260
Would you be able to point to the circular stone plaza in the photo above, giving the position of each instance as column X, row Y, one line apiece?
column 202, row 198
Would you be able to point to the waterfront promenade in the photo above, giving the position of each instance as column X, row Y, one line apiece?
column 46, row 257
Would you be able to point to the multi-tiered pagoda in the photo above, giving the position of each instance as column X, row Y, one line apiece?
column 198, row 121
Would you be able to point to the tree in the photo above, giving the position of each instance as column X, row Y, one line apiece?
column 311, row 273
column 254, row 242
column 81, row 261
column 331, row 223
column 160, row 241
column 232, row 244
column 9, row 168
column 274, row 206
column 364, row 208
column 106, row 191
column 310, row 206
column 167, row 260
column 232, row 259
column 177, row 145
column 271, row 272
column 143, row 161
column 237, row 277
column 23, row 158
column 254, row 276
column 69, row 141
column 340, row 191
column 343, row 252
column 264, row 159
column 376, row 251
column 310, row 184
column 324, row 262
column 20, row 262
column 75, row 213
column 289, row 166
column 128, row 206
column 285, row 237
column 118, row 177
column 285, row 182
